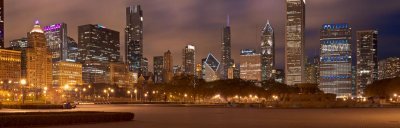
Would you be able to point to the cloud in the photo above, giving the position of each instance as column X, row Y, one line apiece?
column 172, row 24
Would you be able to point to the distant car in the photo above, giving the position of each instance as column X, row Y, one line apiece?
column 69, row 105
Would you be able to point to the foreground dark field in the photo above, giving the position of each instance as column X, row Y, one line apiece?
column 167, row 116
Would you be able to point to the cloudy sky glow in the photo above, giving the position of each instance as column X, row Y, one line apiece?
column 171, row 24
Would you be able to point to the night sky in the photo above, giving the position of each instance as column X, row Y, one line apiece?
column 172, row 24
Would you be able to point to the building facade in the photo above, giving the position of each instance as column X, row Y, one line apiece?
column 294, row 41
column 168, row 65
column 134, row 38
column 250, row 65
column 95, row 72
column 119, row 75
column 312, row 71
column 267, row 52
column 367, row 59
column 336, row 60
column 211, row 68
column 57, row 41
column 188, row 58
column 389, row 68
column 18, row 44
column 158, row 66
column 10, row 66
column 97, row 43
column 37, row 66
column 67, row 73
column 226, row 60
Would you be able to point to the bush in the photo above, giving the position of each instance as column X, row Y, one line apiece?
column 60, row 118
column 33, row 106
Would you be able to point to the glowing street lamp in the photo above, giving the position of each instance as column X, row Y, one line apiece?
column 23, row 84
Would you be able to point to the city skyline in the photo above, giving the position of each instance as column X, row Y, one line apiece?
column 205, row 34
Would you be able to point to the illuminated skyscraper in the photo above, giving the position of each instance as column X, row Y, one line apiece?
column 211, row 68
column 57, row 41
column 134, row 38
column 250, row 65
column 226, row 61
column 295, row 42
column 73, row 51
column 389, row 68
column 37, row 66
column 18, row 44
column 1, row 23
column 168, row 64
column 97, row 43
column 267, row 52
column 335, row 60
column 158, row 66
column 367, row 59
column 188, row 59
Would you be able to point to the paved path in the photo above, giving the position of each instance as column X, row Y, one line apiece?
column 164, row 116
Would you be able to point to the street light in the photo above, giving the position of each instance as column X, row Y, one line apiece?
column 129, row 92
column 135, row 91
column 23, row 84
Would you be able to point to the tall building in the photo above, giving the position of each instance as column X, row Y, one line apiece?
column 18, row 44
column 267, row 52
column 295, row 42
column 119, row 74
column 226, row 61
column 158, row 67
column 94, row 72
column 67, row 73
column 211, row 68
column 367, row 59
column 177, row 70
column 10, row 69
column 134, row 38
column 37, row 67
column 188, row 59
column 389, row 68
column 97, row 43
column 168, row 65
column 1, row 23
column 73, row 50
column 57, row 41
column 311, row 73
column 145, row 67
column 250, row 65
column 335, row 60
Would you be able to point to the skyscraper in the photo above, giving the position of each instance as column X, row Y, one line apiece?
column 367, row 59
column 73, row 50
column 158, row 66
column 167, row 70
column 97, row 43
column 57, row 41
column 134, row 38
column 18, row 44
column 335, row 60
column 211, row 65
column 250, row 65
column 389, row 68
column 267, row 52
column 226, row 61
column 188, row 59
column 37, row 66
column 294, row 41
column 1, row 23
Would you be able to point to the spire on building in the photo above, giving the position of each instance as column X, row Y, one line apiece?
column 228, row 21
column 37, row 28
